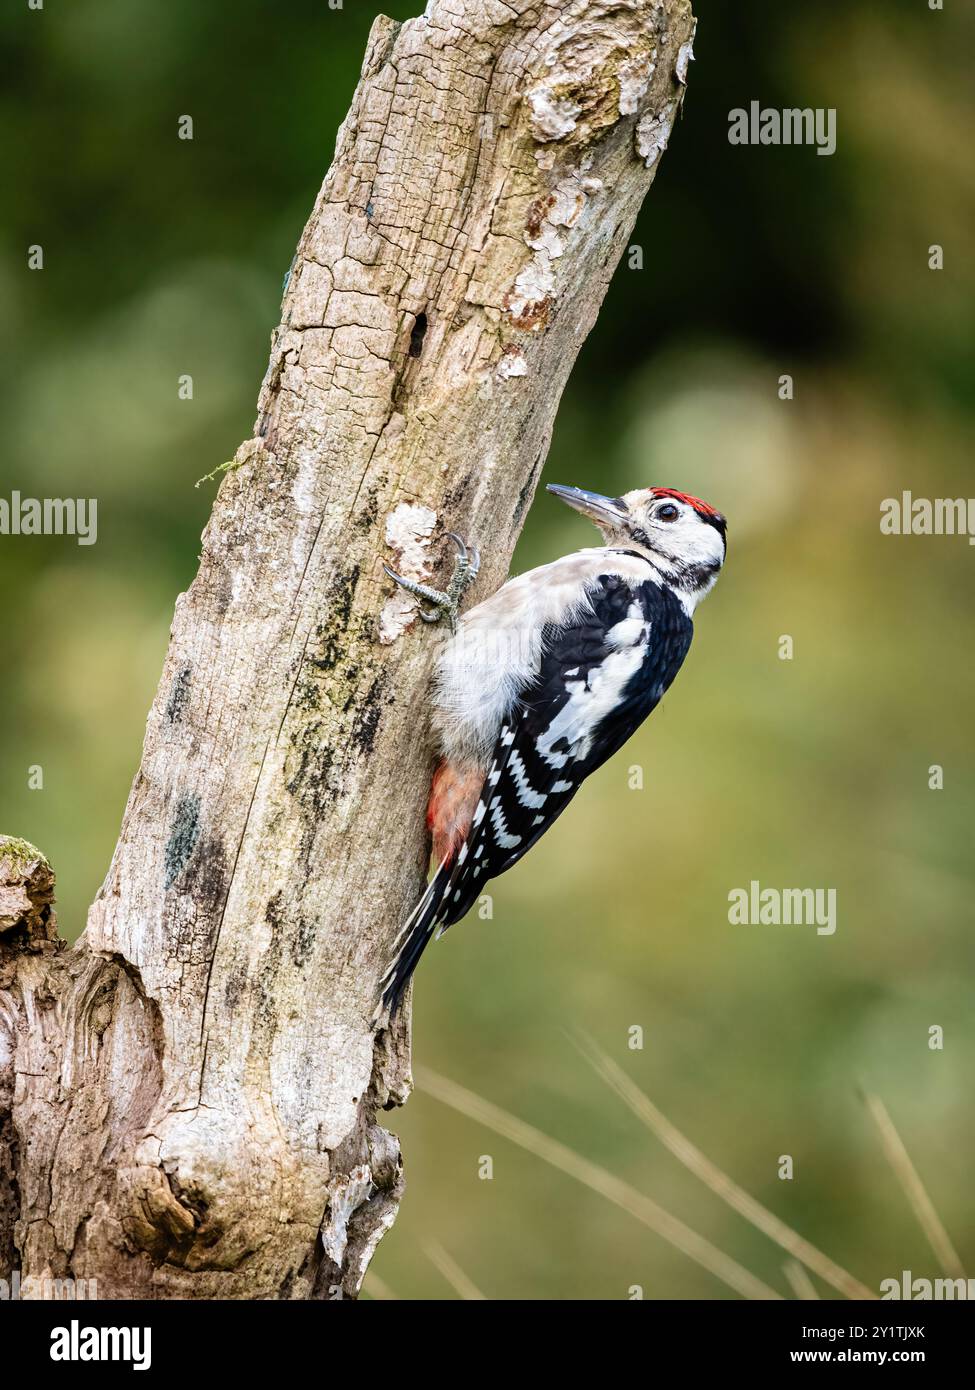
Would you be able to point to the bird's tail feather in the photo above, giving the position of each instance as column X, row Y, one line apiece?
column 414, row 936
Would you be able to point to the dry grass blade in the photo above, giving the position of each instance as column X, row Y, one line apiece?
column 907, row 1175
column 462, row 1286
column 799, row 1281
column 696, row 1248
column 719, row 1183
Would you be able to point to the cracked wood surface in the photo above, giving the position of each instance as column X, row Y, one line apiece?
column 198, row 1080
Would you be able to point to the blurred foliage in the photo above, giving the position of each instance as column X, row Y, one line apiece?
column 164, row 257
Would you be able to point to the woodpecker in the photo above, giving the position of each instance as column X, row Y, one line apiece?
column 545, row 680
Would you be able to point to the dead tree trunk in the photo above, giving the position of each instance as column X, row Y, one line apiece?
column 189, row 1097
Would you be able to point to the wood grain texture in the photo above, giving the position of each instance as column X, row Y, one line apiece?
column 192, row 1092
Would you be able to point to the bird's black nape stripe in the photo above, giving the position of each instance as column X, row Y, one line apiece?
column 719, row 522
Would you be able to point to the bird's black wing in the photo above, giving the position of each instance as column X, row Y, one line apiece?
column 600, row 675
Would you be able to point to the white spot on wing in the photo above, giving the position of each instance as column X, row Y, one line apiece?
column 526, row 795
column 629, row 631
column 501, row 835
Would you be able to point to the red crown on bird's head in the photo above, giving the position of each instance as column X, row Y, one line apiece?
column 704, row 508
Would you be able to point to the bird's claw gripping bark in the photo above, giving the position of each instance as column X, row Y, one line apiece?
column 444, row 602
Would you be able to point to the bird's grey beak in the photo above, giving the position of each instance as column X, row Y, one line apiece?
column 604, row 511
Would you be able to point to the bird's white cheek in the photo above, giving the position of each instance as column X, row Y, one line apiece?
column 702, row 546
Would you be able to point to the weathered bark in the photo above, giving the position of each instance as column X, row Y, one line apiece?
column 189, row 1098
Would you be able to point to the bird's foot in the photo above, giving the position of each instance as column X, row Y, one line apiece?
column 444, row 603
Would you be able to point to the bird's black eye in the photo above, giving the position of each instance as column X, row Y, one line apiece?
column 668, row 512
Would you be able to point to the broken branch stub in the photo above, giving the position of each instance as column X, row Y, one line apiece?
column 26, row 895
column 214, row 1071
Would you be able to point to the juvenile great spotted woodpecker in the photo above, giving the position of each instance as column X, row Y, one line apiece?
column 544, row 681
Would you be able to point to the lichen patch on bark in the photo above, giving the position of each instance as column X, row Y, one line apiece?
column 409, row 528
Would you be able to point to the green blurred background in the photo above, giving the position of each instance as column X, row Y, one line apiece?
column 165, row 257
